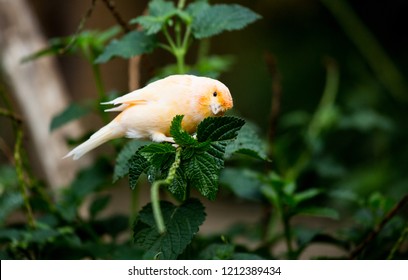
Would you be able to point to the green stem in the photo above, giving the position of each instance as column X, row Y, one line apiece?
column 96, row 70
column 181, row 4
column 398, row 244
column 315, row 126
column 180, row 54
column 154, row 192
column 21, row 178
column 369, row 47
column 288, row 235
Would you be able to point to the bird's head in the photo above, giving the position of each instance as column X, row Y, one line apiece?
column 216, row 97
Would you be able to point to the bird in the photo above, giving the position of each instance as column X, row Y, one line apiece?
column 147, row 113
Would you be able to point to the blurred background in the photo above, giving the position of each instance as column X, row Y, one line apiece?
column 362, row 143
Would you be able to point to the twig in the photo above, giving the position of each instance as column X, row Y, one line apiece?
column 80, row 27
column 369, row 47
column 379, row 227
column 398, row 244
column 6, row 150
column 11, row 115
column 21, row 176
column 112, row 8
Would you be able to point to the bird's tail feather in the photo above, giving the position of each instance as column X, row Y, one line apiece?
column 103, row 135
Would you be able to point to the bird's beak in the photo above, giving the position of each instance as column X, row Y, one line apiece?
column 216, row 109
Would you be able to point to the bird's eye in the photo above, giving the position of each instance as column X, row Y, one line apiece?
column 214, row 94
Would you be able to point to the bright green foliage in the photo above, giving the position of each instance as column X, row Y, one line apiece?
column 132, row 44
column 212, row 20
column 182, row 223
column 72, row 112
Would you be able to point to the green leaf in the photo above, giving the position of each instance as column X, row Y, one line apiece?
column 202, row 173
column 158, row 154
column 197, row 7
column 9, row 202
column 212, row 20
column 180, row 136
column 319, row 212
column 306, row 195
column 217, row 252
column 160, row 12
column 122, row 160
column 178, row 186
column 88, row 180
column 132, row 44
column 244, row 183
column 137, row 165
column 72, row 112
column 247, row 143
column 212, row 66
column 98, row 204
column 182, row 223
column 219, row 129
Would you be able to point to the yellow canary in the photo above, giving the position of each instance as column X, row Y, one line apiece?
column 147, row 113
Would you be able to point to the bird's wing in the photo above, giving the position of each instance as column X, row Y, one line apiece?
column 161, row 89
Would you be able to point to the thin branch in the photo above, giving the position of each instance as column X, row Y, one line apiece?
column 21, row 176
column 398, row 244
column 80, row 27
column 379, row 227
column 11, row 115
column 112, row 8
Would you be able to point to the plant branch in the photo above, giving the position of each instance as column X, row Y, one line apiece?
column 369, row 47
column 20, row 175
column 379, row 227
column 398, row 244
column 11, row 115
column 80, row 27
column 158, row 216
column 110, row 4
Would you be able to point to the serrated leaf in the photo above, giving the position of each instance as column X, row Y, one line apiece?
column 219, row 129
column 197, row 7
column 182, row 223
column 202, row 172
column 179, row 135
column 159, row 14
column 132, row 44
column 122, row 160
column 247, row 143
column 178, row 186
column 137, row 165
column 158, row 154
column 72, row 112
column 215, row 19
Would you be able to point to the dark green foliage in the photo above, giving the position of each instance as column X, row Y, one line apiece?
column 72, row 112
column 201, row 159
column 340, row 159
column 182, row 223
